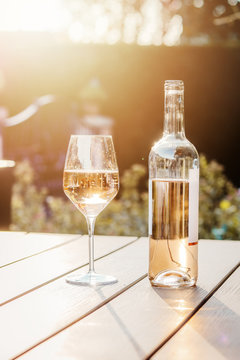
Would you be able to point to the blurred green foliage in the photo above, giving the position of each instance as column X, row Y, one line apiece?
column 219, row 203
column 34, row 210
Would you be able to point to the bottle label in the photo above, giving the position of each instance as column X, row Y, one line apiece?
column 173, row 208
column 193, row 206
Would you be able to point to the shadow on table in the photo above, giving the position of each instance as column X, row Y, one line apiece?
column 215, row 322
column 122, row 326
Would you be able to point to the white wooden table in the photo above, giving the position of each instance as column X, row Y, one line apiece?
column 43, row 317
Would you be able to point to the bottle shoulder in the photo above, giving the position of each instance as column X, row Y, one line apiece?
column 172, row 148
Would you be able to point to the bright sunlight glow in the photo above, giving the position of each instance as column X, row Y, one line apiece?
column 33, row 15
column 105, row 21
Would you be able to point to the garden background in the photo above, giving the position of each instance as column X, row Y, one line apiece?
column 129, row 49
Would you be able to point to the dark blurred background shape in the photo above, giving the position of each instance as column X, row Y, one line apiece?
column 92, row 96
column 133, row 78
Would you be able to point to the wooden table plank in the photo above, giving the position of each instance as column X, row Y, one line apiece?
column 16, row 246
column 132, row 325
column 21, row 277
column 37, row 315
column 213, row 332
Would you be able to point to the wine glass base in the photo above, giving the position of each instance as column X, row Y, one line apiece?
column 91, row 279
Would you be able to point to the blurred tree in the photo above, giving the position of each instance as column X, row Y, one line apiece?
column 155, row 22
column 145, row 22
column 209, row 22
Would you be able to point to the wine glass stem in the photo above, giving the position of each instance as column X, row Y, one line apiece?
column 91, row 224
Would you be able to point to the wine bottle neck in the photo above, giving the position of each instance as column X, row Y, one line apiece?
column 174, row 109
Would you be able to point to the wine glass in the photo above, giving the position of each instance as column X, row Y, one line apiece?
column 91, row 181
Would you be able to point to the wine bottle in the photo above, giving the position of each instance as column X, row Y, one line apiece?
column 173, row 199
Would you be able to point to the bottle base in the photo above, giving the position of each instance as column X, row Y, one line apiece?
column 173, row 279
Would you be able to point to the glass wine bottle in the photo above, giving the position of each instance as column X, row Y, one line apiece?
column 173, row 199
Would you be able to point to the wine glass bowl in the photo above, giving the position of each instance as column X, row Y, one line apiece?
column 90, row 191
column 91, row 181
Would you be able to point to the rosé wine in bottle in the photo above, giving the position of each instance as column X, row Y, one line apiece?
column 173, row 199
